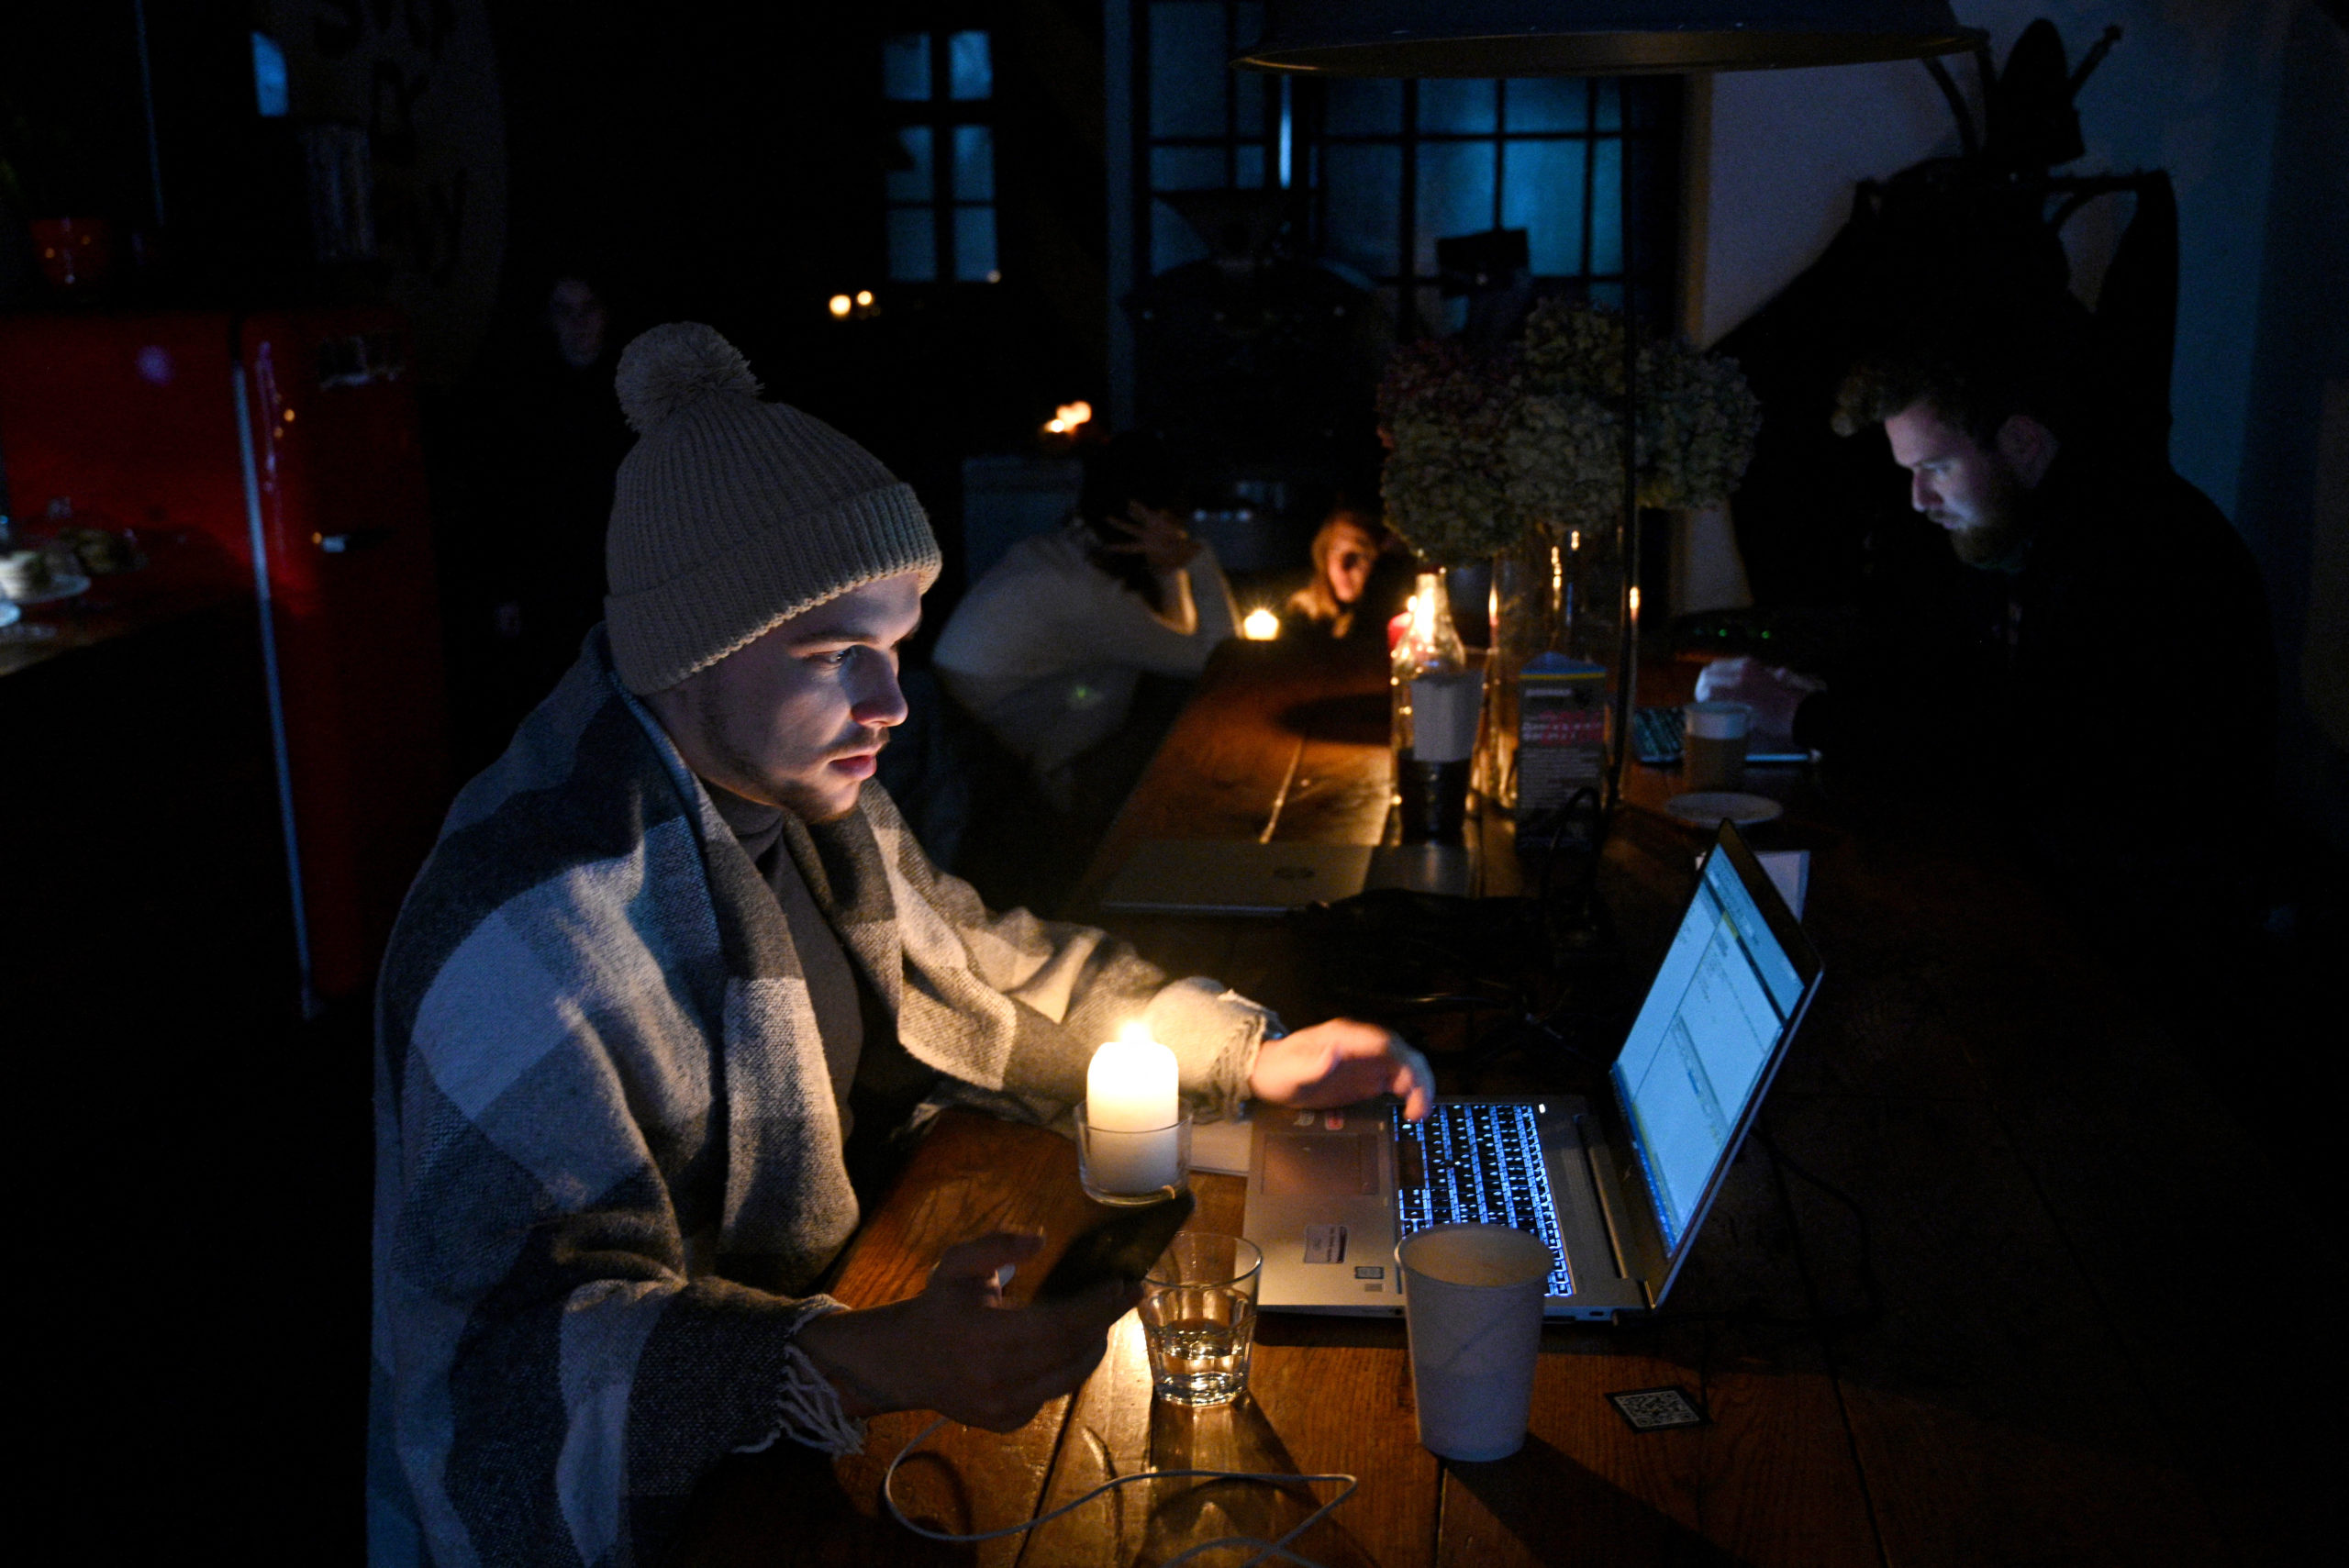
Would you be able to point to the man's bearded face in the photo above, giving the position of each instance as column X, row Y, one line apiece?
column 1969, row 489
column 797, row 717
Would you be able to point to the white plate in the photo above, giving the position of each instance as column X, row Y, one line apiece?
column 1712, row 809
column 61, row 586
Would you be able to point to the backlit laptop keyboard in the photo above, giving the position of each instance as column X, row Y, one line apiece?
column 1477, row 1164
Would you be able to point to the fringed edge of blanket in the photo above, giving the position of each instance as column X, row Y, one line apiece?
column 807, row 1408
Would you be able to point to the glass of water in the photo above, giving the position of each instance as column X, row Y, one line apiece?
column 1200, row 1317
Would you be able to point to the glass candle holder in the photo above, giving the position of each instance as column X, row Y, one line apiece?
column 1129, row 1166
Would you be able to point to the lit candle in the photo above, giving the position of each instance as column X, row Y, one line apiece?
column 1261, row 625
column 1132, row 1089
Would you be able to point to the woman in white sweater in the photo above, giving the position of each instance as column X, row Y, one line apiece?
column 1047, row 648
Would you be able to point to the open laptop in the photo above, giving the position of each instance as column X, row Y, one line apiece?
column 1617, row 1188
column 1190, row 876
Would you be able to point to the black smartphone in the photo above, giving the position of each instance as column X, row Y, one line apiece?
column 1123, row 1246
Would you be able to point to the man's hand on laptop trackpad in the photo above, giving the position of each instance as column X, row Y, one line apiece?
column 1339, row 1063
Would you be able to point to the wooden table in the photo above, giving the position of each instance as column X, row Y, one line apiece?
column 1999, row 1287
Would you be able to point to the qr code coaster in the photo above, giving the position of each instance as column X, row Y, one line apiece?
column 1656, row 1409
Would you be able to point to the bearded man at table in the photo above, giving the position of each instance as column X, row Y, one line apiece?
column 673, row 979
column 2112, row 631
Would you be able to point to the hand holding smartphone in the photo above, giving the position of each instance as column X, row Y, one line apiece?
column 1123, row 1246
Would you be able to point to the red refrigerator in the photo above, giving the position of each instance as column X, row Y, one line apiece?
column 287, row 443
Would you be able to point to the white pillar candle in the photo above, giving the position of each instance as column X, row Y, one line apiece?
column 1133, row 1087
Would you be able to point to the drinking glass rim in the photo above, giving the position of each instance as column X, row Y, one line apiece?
column 1238, row 1276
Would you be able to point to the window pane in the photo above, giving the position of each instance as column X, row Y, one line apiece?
column 1448, row 104
column 1186, row 168
column 905, row 67
column 913, row 246
column 1364, row 193
column 973, row 163
column 1248, row 102
column 1172, row 242
column 1610, row 104
column 974, row 244
column 1455, row 194
column 910, row 181
column 970, row 72
column 1541, row 194
column 1364, row 106
column 271, row 93
column 1188, row 67
column 1248, row 166
column 1546, row 103
column 1607, row 207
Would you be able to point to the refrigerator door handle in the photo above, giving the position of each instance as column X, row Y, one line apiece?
column 275, row 691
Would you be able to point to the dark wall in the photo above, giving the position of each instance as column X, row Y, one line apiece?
column 2303, row 344
column 722, row 163
column 726, row 164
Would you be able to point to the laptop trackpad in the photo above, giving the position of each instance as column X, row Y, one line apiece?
column 1319, row 1165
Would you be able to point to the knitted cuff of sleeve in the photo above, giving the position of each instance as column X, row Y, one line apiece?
column 1215, row 1033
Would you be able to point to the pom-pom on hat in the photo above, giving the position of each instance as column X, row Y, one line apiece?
column 730, row 515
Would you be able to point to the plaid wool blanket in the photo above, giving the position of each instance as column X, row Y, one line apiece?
column 609, row 1163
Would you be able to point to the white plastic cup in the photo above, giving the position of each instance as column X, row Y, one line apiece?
column 1445, row 710
column 1472, row 1303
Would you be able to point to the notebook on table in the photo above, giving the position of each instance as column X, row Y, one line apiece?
column 1616, row 1186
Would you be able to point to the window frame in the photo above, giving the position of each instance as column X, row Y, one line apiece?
column 942, row 114
column 1648, row 129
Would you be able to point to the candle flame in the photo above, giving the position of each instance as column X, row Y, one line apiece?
column 1423, row 620
column 1068, row 416
column 838, row 306
column 1635, row 604
column 865, row 297
column 1262, row 625
column 1134, row 1032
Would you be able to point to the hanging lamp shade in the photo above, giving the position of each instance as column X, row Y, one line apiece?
column 1596, row 38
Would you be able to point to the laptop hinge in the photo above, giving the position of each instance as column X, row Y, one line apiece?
column 1601, row 1185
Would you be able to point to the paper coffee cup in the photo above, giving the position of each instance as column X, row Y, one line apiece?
column 1712, row 744
column 1471, row 1304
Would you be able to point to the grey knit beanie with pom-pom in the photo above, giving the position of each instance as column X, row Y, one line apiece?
column 730, row 515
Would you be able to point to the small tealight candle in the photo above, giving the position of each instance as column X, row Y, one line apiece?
column 1261, row 626
column 1133, row 1087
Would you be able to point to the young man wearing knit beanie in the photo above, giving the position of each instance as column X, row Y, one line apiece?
column 671, row 982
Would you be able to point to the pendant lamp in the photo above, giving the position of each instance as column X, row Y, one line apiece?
column 1596, row 38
